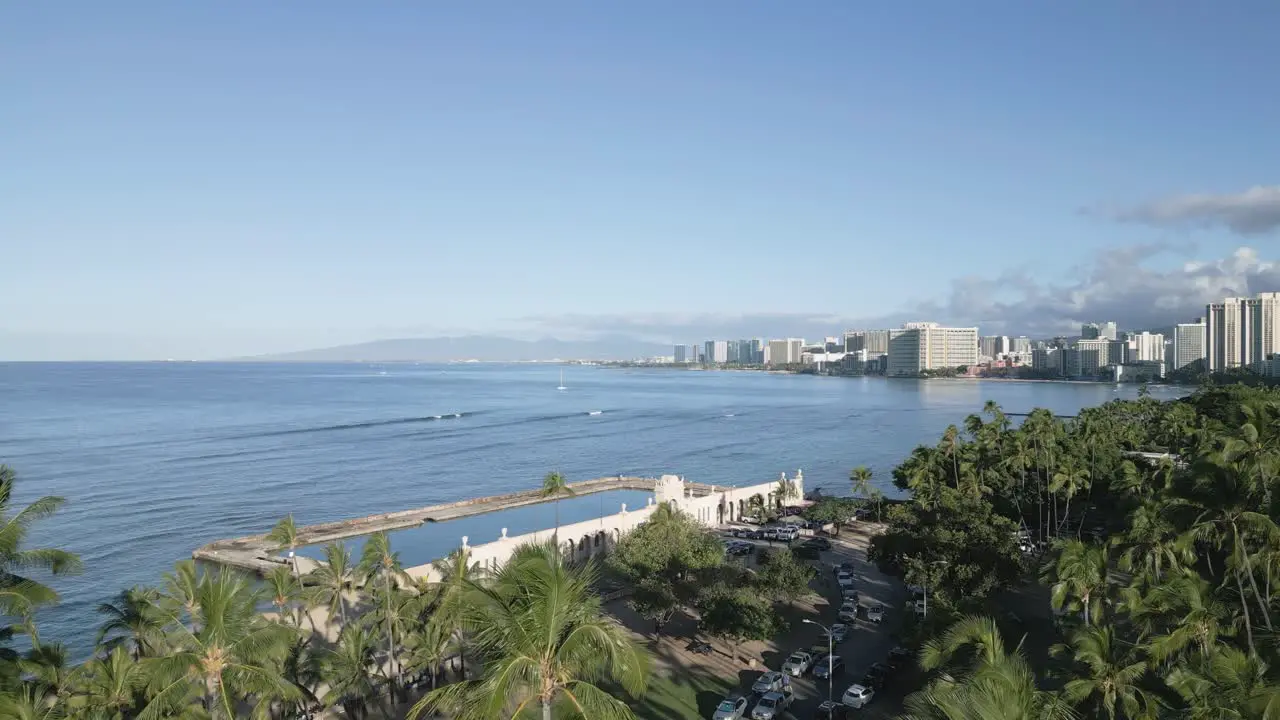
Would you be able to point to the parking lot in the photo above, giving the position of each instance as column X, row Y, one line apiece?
column 867, row 643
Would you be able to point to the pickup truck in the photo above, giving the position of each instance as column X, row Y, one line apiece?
column 772, row 705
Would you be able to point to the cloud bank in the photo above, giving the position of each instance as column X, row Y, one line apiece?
column 1117, row 284
column 1255, row 211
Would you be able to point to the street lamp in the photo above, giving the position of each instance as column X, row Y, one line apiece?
column 831, row 656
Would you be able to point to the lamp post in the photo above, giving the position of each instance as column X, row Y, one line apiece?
column 831, row 657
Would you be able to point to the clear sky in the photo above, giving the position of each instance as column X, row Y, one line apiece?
column 209, row 179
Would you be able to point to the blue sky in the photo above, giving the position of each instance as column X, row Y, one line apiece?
column 210, row 179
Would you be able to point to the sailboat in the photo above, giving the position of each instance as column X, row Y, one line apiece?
column 561, row 386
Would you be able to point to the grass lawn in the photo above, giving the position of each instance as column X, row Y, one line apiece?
column 679, row 695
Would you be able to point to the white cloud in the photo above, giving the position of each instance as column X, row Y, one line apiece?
column 1255, row 211
column 1116, row 285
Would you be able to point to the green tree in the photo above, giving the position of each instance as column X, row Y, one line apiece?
column 548, row 643
column 285, row 535
column 20, row 594
column 234, row 655
column 834, row 511
column 284, row 591
column 457, row 578
column 1079, row 577
column 1107, row 677
column 332, row 580
column 666, row 560
column 351, row 672
column 783, row 577
column 736, row 615
column 109, row 687
column 133, row 621
column 555, row 486
column 380, row 564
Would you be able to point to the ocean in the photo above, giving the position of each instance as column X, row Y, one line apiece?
column 156, row 459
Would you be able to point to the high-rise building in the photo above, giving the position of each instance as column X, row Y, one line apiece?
column 716, row 351
column 1021, row 344
column 1145, row 347
column 1188, row 344
column 993, row 346
column 1242, row 332
column 1086, row 358
column 785, row 352
column 1047, row 359
column 929, row 346
column 683, row 354
column 1097, row 331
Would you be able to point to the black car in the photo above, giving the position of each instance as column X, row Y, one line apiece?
column 832, row 665
column 699, row 647
column 898, row 657
column 818, row 543
column 873, row 679
column 831, row 710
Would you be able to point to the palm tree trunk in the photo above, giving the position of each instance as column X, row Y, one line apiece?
column 546, row 710
column 391, row 641
column 1244, row 606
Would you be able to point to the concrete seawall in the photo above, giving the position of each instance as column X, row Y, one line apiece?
column 257, row 554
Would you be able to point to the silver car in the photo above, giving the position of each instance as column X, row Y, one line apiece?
column 798, row 664
column 731, row 708
column 772, row 705
column 767, row 683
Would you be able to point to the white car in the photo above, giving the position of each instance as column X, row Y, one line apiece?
column 848, row 611
column 772, row 705
column 857, row 696
column 767, row 683
column 798, row 664
column 875, row 613
column 788, row 534
column 731, row 708
column 771, row 533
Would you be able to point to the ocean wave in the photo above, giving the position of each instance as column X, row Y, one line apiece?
column 353, row 426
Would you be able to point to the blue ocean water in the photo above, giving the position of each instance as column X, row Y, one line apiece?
column 156, row 459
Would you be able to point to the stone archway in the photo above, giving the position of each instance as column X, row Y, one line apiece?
column 584, row 546
column 568, row 549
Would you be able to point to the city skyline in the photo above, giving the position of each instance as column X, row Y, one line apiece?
column 574, row 171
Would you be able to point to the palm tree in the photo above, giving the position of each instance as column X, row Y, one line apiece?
column 1108, row 676
column 234, row 655
column 28, row 704
column 1228, row 683
column 351, row 671
column 787, row 490
column 457, row 577
column 1079, row 575
column 182, row 591
column 284, row 590
column 860, row 477
column 547, row 642
column 48, row 672
column 19, row 594
column 133, row 621
column 378, row 563
column 554, row 486
column 1151, row 547
column 993, row 684
column 110, row 687
column 285, row 534
column 427, row 650
column 332, row 581
column 1191, row 612
column 304, row 670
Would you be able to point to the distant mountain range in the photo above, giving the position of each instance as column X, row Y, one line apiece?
column 476, row 347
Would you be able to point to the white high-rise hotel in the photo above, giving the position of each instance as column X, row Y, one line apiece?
column 928, row 346
column 1242, row 332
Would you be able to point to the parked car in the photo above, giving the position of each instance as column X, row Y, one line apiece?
column 829, row 666
column 750, row 519
column 798, row 664
column 788, row 534
column 857, row 696
column 819, row 543
column 849, row 592
column 767, row 683
column 771, row 533
column 699, row 647
column 875, row 613
column 898, row 657
column 773, row 704
column 844, row 578
column 733, row 707
column 848, row 611
column 831, row 710
column 806, row 552
column 875, row 676
column 740, row 532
